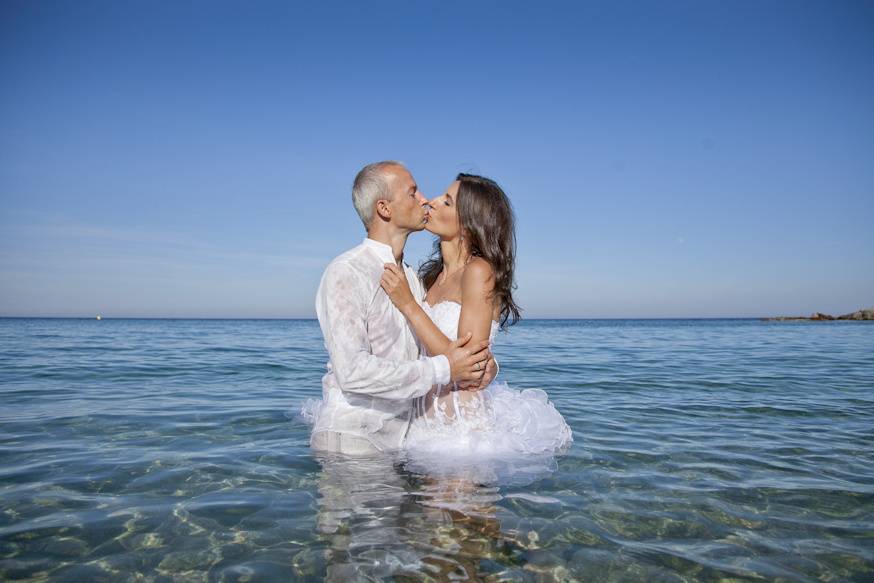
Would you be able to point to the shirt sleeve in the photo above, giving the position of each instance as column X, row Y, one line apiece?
column 442, row 372
column 342, row 308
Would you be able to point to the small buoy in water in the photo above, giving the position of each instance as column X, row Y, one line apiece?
column 98, row 317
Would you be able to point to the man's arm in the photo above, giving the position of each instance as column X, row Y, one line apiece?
column 341, row 306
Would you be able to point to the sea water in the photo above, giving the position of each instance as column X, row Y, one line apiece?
column 172, row 450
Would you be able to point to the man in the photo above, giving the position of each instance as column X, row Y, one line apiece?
column 375, row 369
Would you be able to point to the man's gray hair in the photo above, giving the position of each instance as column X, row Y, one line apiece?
column 371, row 184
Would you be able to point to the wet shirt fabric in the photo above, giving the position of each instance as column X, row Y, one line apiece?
column 375, row 368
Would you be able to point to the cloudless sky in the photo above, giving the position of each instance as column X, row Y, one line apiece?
column 664, row 159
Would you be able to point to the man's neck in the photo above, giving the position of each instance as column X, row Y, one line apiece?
column 395, row 240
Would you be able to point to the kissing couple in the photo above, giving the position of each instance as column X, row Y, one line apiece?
column 410, row 364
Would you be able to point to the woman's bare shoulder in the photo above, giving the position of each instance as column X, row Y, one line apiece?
column 478, row 270
column 478, row 277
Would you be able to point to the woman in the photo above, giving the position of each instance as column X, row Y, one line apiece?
column 469, row 283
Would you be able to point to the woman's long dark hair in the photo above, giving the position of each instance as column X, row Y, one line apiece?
column 488, row 226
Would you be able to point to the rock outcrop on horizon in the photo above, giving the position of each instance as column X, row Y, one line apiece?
column 864, row 314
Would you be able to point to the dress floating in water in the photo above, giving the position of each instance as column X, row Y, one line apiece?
column 500, row 421
column 498, row 425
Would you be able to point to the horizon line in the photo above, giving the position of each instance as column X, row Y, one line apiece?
column 313, row 318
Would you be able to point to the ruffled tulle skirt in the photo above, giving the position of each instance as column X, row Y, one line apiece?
column 500, row 421
column 504, row 436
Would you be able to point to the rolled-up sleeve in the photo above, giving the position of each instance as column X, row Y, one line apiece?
column 342, row 308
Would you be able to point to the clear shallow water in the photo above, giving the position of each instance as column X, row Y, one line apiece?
column 705, row 450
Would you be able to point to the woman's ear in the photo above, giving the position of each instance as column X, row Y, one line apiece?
column 383, row 209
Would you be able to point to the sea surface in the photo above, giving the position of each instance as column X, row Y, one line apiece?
column 173, row 450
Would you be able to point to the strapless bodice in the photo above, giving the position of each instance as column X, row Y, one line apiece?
column 446, row 315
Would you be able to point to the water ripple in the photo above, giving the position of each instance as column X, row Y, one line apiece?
column 719, row 450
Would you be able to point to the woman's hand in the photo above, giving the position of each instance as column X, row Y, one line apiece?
column 489, row 374
column 394, row 282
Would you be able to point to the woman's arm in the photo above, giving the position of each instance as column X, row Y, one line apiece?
column 477, row 304
column 477, row 307
column 395, row 284
column 477, row 283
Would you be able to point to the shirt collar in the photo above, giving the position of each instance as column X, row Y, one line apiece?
column 382, row 250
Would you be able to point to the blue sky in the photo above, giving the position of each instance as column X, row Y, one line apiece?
column 665, row 159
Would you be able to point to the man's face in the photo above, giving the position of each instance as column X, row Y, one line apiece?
column 409, row 206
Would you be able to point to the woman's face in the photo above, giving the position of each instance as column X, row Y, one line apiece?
column 443, row 219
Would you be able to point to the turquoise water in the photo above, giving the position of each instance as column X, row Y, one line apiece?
column 705, row 450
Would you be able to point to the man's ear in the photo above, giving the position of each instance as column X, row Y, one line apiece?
column 383, row 209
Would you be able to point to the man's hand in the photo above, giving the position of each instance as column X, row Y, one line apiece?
column 467, row 363
column 489, row 374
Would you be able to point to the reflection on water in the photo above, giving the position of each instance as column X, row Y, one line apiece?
column 380, row 520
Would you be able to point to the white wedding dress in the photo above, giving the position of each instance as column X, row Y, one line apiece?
column 496, row 422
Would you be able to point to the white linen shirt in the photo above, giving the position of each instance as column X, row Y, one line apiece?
column 375, row 366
